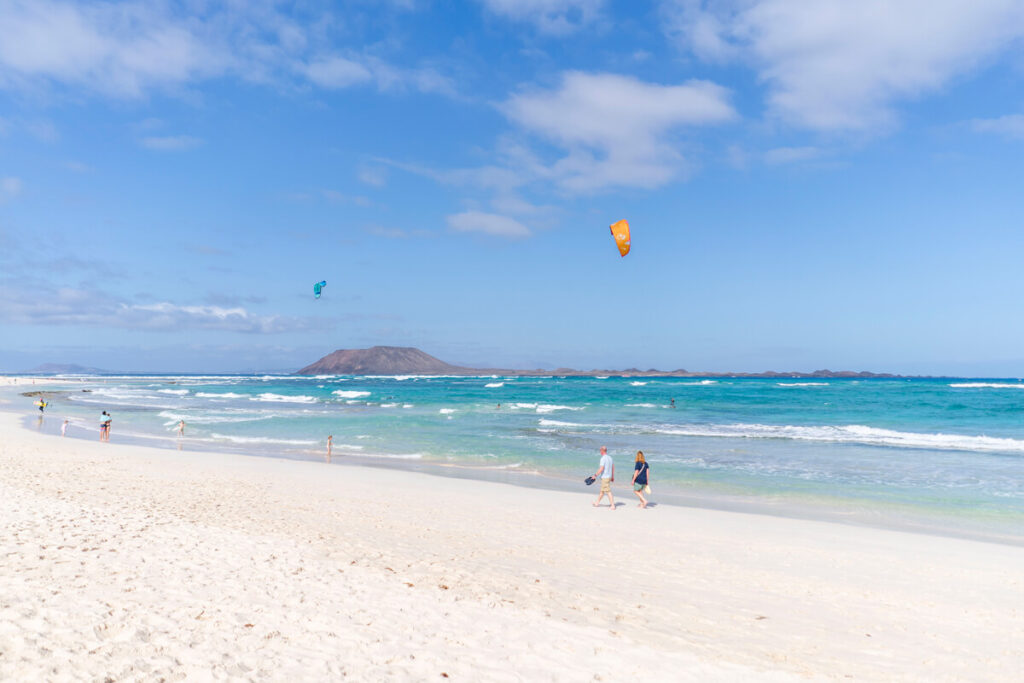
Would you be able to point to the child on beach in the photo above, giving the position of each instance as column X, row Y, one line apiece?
column 64, row 427
column 181, row 428
column 330, row 443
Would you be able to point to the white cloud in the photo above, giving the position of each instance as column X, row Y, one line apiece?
column 487, row 223
column 616, row 130
column 117, row 49
column 1010, row 126
column 843, row 64
column 549, row 16
column 10, row 187
column 129, row 49
column 336, row 72
column 790, row 155
column 170, row 143
column 68, row 306
column 377, row 176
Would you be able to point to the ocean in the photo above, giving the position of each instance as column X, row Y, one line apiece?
column 939, row 455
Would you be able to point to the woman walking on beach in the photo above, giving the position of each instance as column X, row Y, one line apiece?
column 640, row 472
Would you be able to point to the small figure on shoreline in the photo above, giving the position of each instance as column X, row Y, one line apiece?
column 105, row 420
column 640, row 484
column 606, row 473
column 330, row 446
column 673, row 402
column 42, row 405
column 181, row 428
column 64, row 427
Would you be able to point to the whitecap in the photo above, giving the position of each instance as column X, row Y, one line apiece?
column 545, row 408
column 262, row 439
column 227, row 394
column 176, row 392
column 988, row 385
column 350, row 394
column 637, row 384
column 494, row 385
column 857, row 434
column 279, row 398
column 802, row 384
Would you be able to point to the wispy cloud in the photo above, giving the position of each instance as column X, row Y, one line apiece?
column 69, row 306
column 10, row 187
column 488, row 224
column 556, row 17
column 171, row 143
column 790, row 155
column 842, row 65
column 375, row 176
column 130, row 49
column 1010, row 126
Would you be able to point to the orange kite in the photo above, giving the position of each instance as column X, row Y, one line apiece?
column 620, row 231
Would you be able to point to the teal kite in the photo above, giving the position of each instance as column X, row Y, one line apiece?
column 318, row 288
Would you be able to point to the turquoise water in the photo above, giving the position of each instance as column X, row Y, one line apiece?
column 938, row 453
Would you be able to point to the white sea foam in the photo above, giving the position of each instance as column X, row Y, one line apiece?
column 601, row 377
column 279, row 398
column 523, row 406
column 262, row 439
column 407, row 405
column 988, row 385
column 545, row 408
column 176, row 392
column 802, row 384
column 557, row 423
column 494, row 385
column 350, row 394
column 701, row 383
column 446, row 411
column 173, row 418
column 858, row 434
column 637, row 384
column 641, row 405
column 227, row 394
column 388, row 405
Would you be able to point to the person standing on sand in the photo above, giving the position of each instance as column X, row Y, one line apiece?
column 330, row 444
column 640, row 472
column 105, row 421
column 64, row 427
column 606, row 473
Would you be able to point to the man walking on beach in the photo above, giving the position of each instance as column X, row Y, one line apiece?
column 606, row 473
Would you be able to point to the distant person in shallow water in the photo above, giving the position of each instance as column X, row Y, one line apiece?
column 673, row 403
column 181, row 428
column 641, row 470
column 330, row 445
column 606, row 473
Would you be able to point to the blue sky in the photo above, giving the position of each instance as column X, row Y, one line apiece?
column 834, row 184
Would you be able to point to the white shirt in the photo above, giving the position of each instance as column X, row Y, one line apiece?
column 606, row 463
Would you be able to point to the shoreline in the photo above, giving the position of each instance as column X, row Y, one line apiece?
column 131, row 553
column 871, row 514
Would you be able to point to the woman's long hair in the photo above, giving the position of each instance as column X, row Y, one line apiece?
column 640, row 456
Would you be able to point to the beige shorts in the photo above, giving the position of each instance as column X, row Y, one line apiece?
column 606, row 485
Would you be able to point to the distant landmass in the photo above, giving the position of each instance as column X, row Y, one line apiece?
column 67, row 369
column 404, row 360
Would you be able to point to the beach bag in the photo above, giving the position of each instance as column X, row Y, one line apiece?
column 647, row 489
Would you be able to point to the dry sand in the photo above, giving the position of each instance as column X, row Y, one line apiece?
column 132, row 563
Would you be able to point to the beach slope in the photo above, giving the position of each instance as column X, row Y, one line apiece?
column 132, row 562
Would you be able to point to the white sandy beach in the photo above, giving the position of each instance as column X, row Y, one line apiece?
column 136, row 563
